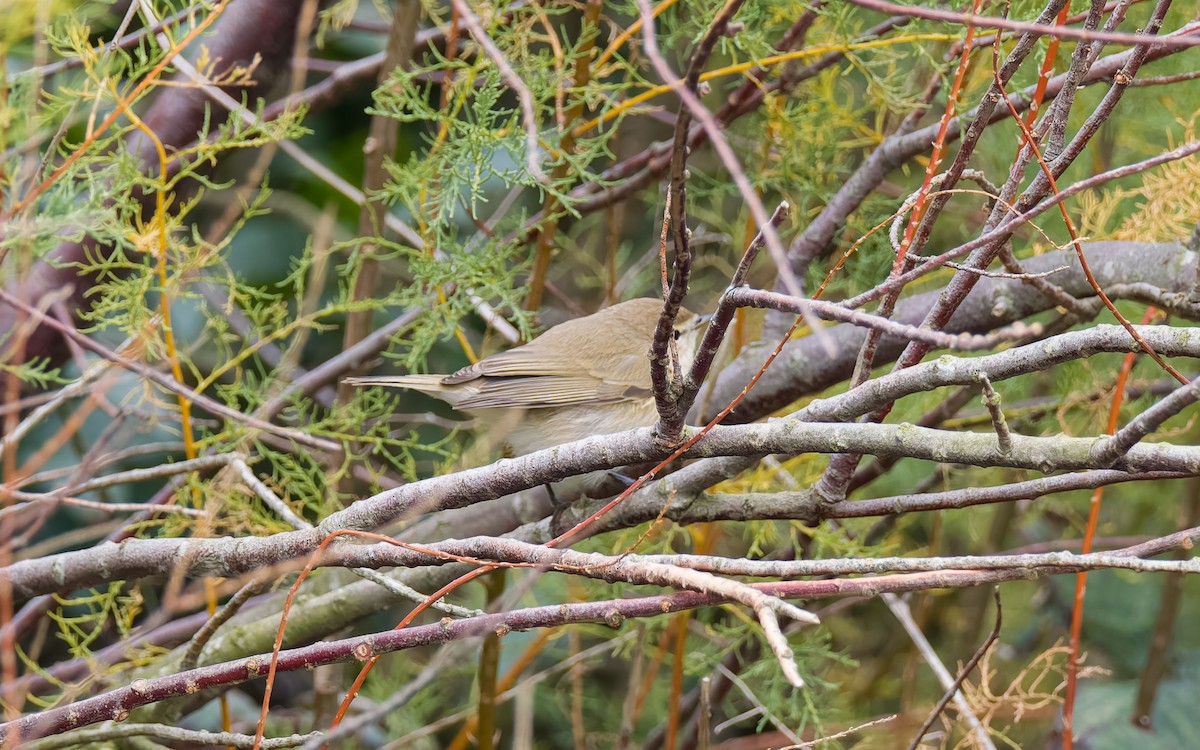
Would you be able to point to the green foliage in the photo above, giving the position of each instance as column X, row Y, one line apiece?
column 37, row 373
column 84, row 617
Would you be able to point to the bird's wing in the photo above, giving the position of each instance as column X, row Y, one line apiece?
column 557, row 352
column 561, row 367
column 543, row 391
column 530, row 360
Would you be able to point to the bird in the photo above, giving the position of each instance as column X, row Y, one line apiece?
column 587, row 376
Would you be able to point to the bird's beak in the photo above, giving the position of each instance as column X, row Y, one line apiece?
column 702, row 320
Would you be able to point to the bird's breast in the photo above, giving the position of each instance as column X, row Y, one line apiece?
column 526, row 431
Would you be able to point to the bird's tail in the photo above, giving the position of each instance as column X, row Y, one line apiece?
column 424, row 383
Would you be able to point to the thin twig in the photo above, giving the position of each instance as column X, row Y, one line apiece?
column 900, row 610
column 169, row 383
column 191, row 657
column 962, row 675
column 528, row 113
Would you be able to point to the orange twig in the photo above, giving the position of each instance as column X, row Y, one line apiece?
column 1089, row 535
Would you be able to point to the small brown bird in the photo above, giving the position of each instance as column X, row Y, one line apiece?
column 588, row 376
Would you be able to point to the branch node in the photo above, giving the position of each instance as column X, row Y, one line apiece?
column 991, row 399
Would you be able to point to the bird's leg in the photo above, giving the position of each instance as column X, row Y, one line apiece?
column 557, row 526
column 627, row 481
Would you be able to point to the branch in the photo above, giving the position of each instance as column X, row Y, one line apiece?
column 1062, row 32
column 164, row 732
column 805, row 367
column 118, row 703
column 231, row 557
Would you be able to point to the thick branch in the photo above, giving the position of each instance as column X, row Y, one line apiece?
column 231, row 557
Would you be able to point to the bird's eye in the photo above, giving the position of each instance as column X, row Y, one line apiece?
column 676, row 334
